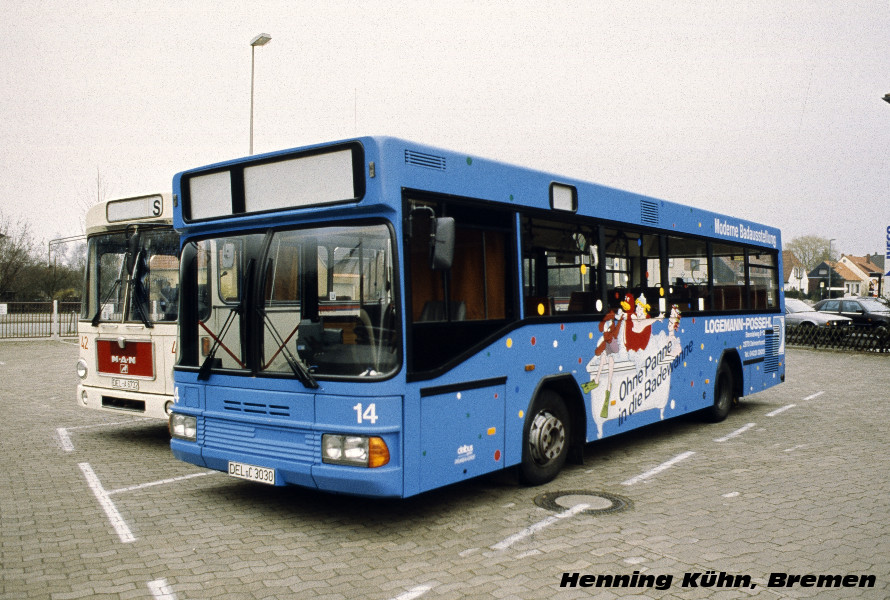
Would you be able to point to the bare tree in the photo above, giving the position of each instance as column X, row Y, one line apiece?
column 811, row 250
column 17, row 253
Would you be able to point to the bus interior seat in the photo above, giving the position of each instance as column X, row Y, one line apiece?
column 434, row 310
column 582, row 302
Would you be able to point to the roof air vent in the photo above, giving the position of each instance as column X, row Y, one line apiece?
column 421, row 159
column 649, row 212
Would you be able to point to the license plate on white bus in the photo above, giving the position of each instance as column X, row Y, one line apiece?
column 125, row 384
column 252, row 473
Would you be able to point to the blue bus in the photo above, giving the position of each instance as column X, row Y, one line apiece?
column 381, row 318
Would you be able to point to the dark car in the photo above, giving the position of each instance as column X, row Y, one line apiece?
column 866, row 312
column 798, row 312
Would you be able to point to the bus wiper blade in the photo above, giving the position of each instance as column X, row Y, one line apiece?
column 138, row 289
column 98, row 316
column 300, row 370
column 117, row 283
column 296, row 364
column 207, row 365
column 204, row 371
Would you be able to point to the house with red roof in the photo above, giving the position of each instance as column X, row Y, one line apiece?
column 833, row 279
column 870, row 274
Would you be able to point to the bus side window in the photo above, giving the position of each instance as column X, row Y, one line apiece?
column 688, row 274
column 632, row 266
column 559, row 265
column 452, row 309
column 729, row 276
column 763, row 276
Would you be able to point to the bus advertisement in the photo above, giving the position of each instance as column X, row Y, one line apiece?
column 128, row 321
column 381, row 318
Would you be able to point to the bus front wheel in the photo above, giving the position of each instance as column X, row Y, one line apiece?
column 545, row 439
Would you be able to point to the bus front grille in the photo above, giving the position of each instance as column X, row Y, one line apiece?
column 292, row 444
column 256, row 408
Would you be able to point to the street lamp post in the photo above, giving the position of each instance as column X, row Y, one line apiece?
column 260, row 40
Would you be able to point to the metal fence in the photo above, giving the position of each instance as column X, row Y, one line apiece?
column 855, row 338
column 28, row 320
column 24, row 320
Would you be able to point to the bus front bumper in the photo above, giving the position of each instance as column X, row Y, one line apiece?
column 385, row 481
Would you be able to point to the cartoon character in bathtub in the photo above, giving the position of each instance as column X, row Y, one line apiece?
column 626, row 342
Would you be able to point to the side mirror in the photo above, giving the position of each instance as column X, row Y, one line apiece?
column 442, row 243
column 133, row 243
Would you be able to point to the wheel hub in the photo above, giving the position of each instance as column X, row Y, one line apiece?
column 546, row 437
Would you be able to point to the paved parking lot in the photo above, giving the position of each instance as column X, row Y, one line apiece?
column 795, row 482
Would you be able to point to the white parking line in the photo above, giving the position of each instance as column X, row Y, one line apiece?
column 65, row 435
column 161, row 590
column 816, row 395
column 503, row 545
column 117, row 521
column 780, row 410
column 663, row 466
column 736, row 433
column 65, row 439
column 415, row 592
column 160, row 482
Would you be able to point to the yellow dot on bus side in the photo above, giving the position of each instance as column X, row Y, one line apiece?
column 541, row 308
column 661, row 291
column 509, row 342
column 584, row 269
column 590, row 335
column 521, row 414
column 702, row 346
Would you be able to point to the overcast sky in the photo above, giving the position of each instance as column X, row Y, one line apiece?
column 769, row 110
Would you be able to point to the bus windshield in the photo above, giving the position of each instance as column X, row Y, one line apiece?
column 132, row 276
column 300, row 302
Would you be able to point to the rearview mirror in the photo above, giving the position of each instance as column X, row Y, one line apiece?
column 442, row 243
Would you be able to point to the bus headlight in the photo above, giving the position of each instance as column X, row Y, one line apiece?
column 184, row 427
column 354, row 450
column 82, row 368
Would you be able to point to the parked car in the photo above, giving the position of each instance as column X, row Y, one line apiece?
column 798, row 312
column 866, row 312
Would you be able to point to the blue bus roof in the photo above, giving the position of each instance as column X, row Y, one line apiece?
column 389, row 161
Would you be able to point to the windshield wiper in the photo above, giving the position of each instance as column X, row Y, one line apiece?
column 117, row 283
column 98, row 316
column 207, row 365
column 301, row 371
column 131, row 268
column 136, row 287
column 296, row 365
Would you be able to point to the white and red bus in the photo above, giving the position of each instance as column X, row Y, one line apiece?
column 128, row 321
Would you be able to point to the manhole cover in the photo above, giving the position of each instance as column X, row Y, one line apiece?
column 598, row 502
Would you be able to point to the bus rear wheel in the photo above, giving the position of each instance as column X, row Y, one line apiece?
column 724, row 395
column 545, row 439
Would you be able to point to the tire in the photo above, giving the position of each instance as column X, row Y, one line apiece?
column 724, row 395
column 545, row 439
